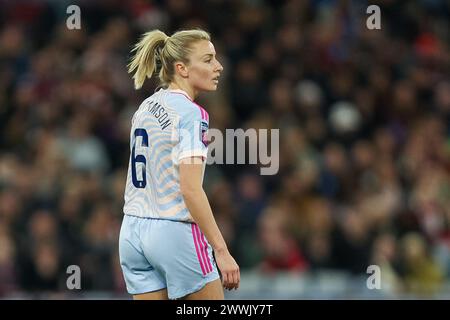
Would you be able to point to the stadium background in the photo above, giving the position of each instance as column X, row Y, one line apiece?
column 364, row 143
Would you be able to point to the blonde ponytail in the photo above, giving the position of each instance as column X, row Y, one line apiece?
column 157, row 49
column 146, row 57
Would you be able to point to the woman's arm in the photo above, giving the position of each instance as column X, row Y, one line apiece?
column 198, row 205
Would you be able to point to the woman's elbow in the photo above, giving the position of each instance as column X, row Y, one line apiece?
column 190, row 191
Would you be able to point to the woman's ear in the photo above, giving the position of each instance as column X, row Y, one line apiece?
column 181, row 69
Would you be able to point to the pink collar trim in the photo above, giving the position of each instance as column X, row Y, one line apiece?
column 182, row 92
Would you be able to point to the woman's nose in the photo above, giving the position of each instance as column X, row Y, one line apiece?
column 219, row 66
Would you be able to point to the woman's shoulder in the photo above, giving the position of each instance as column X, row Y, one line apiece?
column 183, row 105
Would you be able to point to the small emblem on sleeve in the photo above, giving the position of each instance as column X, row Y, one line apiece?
column 204, row 132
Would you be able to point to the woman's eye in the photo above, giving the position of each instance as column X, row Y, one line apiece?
column 208, row 61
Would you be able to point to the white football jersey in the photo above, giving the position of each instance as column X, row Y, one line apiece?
column 167, row 127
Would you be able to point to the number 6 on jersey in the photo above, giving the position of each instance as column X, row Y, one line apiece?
column 139, row 158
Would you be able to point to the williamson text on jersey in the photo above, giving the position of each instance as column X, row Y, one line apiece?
column 160, row 113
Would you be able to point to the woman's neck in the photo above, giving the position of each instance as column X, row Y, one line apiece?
column 186, row 88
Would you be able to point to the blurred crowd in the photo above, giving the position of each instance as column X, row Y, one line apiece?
column 364, row 120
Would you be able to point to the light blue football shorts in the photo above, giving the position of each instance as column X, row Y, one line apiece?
column 157, row 254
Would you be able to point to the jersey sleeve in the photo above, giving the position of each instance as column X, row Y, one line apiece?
column 193, row 132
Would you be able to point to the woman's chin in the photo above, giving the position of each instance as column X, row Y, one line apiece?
column 212, row 88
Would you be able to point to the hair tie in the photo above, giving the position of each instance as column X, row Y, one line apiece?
column 158, row 59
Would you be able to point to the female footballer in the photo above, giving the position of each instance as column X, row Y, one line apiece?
column 169, row 233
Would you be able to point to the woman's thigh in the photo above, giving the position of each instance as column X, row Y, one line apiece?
column 156, row 295
column 211, row 291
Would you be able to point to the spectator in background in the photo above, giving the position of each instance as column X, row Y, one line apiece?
column 385, row 256
column 422, row 275
column 8, row 275
column 279, row 249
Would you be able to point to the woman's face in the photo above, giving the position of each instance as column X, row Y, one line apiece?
column 203, row 68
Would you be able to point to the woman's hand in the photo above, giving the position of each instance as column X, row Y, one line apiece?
column 228, row 268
